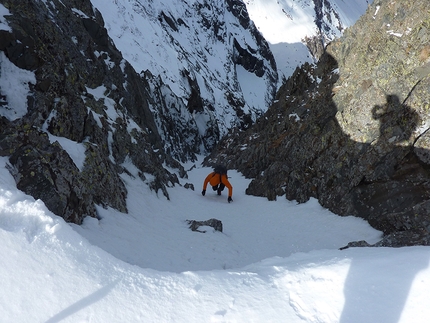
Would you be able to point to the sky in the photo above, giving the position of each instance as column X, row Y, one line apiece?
column 275, row 261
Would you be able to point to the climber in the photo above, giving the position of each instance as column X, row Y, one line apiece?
column 218, row 180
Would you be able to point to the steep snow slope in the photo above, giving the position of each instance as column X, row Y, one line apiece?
column 273, row 262
column 286, row 23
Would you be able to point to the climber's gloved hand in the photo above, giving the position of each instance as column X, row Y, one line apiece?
column 229, row 199
column 203, row 192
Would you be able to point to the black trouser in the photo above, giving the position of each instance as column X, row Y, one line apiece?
column 219, row 188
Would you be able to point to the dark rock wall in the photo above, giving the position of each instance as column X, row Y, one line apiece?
column 71, row 54
column 352, row 131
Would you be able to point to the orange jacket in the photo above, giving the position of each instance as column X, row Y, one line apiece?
column 214, row 179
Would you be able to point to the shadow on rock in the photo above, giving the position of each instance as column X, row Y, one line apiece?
column 299, row 149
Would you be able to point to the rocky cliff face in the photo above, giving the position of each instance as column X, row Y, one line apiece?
column 82, row 90
column 352, row 131
column 71, row 55
column 208, row 66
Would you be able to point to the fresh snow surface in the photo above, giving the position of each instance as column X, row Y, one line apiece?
column 274, row 261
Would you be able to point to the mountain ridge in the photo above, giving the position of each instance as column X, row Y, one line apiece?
column 302, row 28
column 206, row 53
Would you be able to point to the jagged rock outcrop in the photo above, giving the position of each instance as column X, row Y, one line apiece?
column 85, row 92
column 352, row 131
